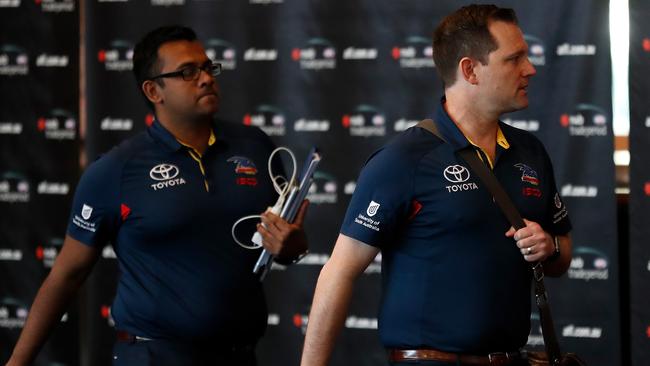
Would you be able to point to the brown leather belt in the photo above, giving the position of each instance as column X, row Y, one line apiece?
column 493, row 359
column 123, row 336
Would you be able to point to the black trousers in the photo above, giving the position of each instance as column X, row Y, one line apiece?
column 438, row 363
column 170, row 353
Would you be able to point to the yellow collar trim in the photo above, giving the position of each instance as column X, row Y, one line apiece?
column 501, row 139
column 213, row 138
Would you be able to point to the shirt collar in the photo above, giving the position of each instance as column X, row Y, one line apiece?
column 455, row 136
column 160, row 133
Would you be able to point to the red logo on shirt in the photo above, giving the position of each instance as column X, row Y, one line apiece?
column 415, row 208
column 534, row 192
column 125, row 211
column 245, row 181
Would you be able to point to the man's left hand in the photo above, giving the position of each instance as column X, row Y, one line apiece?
column 534, row 243
column 286, row 241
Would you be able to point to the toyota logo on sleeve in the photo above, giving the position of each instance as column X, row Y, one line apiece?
column 459, row 175
column 166, row 176
column 456, row 173
column 163, row 172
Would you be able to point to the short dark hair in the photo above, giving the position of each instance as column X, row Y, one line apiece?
column 145, row 53
column 465, row 33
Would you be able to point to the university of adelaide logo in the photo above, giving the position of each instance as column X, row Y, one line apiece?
column 86, row 211
column 83, row 221
column 373, row 207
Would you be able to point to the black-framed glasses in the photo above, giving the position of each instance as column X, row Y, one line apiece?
column 191, row 72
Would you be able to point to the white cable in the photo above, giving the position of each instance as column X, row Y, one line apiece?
column 281, row 188
column 245, row 246
column 293, row 175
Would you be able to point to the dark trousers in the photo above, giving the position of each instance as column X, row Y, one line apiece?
column 423, row 363
column 169, row 353
column 438, row 363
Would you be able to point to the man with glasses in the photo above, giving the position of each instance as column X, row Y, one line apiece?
column 167, row 199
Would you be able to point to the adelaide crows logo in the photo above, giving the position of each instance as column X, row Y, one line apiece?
column 528, row 174
column 243, row 165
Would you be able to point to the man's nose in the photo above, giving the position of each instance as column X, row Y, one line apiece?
column 530, row 69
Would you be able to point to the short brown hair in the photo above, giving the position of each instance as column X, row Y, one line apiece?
column 465, row 33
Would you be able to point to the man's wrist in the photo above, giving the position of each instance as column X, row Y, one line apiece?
column 556, row 252
column 294, row 260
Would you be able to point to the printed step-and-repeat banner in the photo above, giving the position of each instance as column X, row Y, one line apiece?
column 39, row 161
column 347, row 77
column 639, row 250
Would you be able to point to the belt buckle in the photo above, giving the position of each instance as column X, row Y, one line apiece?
column 499, row 358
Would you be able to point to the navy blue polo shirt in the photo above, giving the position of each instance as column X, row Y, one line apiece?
column 168, row 211
column 451, row 279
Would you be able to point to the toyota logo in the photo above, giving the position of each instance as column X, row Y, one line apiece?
column 163, row 172
column 456, row 173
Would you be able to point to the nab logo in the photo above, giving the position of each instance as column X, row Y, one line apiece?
column 589, row 264
column 118, row 56
column 13, row 60
column 415, row 53
column 59, row 124
column 267, row 117
column 323, row 189
column 13, row 313
column 365, row 121
column 587, row 120
column 14, row 187
column 535, row 50
column 300, row 321
column 47, row 253
column 318, row 54
column 219, row 50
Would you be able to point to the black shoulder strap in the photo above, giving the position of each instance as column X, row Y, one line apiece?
column 512, row 214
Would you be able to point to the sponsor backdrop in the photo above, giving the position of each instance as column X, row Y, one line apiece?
column 348, row 76
column 39, row 154
column 639, row 183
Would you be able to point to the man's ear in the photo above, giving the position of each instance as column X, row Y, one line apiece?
column 466, row 70
column 151, row 90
